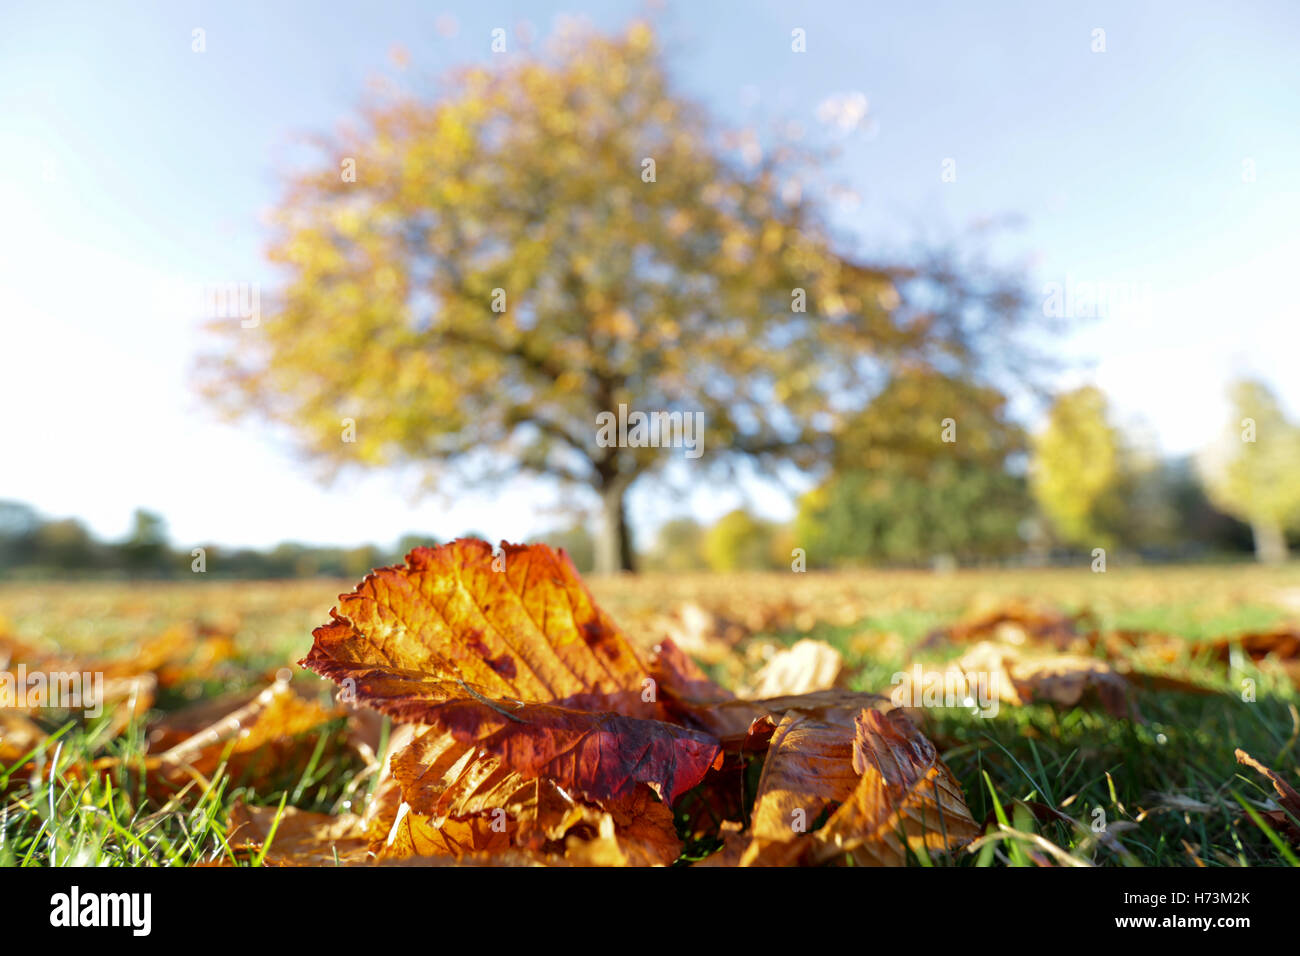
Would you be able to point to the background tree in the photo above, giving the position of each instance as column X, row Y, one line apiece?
column 67, row 544
column 898, row 492
column 1253, row 472
column 19, row 524
column 1079, row 470
column 1200, row 527
column 577, row 541
column 740, row 542
column 410, row 541
column 145, row 549
column 474, row 280
column 678, row 546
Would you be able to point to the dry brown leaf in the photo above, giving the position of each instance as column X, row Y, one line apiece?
column 413, row 835
column 1017, row 678
column 1280, row 646
column 906, row 799
column 735, row 841
column 1288, row 797
column 396, row 832
column 808, row 771
column 254, row 735
column 1017, row 624
column 703, row 634
column 276, row 713
column 878, row 779
column 19, row 736
column 801, row 669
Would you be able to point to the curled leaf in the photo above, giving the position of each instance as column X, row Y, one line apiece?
column 510, row 654
column 905, row 800
column 1288, row 797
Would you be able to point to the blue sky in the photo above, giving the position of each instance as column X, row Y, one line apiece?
column 136, row 170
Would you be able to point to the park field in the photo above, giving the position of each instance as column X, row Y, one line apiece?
column 1201, row 651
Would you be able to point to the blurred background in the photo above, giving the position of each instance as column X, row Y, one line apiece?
column 288, row 292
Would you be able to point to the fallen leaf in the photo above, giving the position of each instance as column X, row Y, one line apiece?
column 441, row 778
column 808, row 771
column 906, row 799
column 1288, row 797
column 1280, row 646
column 1008, row 674
column 806, row 667
column 518, row 662
column 1019, row 624
column 701, row 633
column 19, row 736
column 253, row 735
column 876, row 778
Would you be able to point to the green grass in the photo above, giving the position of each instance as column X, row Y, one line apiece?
column 55, row 814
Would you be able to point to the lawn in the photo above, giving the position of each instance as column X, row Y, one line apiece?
column 1164, row 789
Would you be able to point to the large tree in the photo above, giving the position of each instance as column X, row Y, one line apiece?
column 472, row 281
column 1253, row 472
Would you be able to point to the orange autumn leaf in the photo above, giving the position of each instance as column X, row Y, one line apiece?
column 905, row 800
column 808, row 771
column 275, row 715
column 397, row 832
column 510, row 653
column 528, row 632
column 536, row 822
column 878, row 780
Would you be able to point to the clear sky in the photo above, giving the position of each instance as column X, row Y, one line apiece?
column 135, row 171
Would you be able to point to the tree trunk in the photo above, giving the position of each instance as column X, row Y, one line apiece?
column 614, row 542
column 1270, row 542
